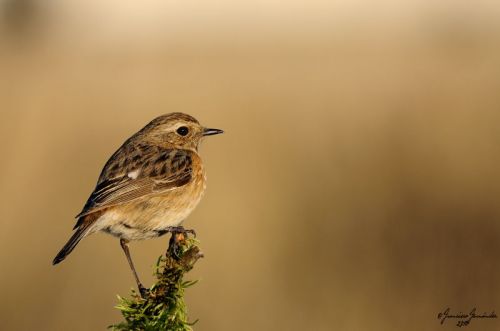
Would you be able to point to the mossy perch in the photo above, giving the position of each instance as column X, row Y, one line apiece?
column 163, row 308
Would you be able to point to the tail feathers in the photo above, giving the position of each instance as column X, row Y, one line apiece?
column 80, row 233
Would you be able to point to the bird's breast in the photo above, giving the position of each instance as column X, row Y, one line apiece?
column 148, row 217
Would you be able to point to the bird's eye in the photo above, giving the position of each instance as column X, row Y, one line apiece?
column 183, row 130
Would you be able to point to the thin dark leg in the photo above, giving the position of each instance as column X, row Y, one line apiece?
column 142, row 289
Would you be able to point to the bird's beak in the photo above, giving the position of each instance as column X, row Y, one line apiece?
column 211, row 132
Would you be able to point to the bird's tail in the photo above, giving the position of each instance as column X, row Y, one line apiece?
column 79, row 234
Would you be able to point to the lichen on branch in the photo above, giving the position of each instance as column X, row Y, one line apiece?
column 163, row 308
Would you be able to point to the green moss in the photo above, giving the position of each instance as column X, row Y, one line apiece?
column 164, row 307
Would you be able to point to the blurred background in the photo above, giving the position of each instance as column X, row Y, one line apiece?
column 356, row 187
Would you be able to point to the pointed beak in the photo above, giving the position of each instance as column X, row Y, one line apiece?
column 211, row 132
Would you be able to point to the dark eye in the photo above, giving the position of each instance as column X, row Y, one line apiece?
column 183, row 130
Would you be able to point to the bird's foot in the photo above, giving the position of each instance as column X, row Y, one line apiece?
column 181, row 230
column 143, row 291
column 179, row 235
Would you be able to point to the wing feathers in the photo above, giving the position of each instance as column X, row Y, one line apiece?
column 157, row 171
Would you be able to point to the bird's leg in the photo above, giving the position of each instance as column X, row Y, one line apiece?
column 142, row 290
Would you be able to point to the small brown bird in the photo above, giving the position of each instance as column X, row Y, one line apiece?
column 148, row 186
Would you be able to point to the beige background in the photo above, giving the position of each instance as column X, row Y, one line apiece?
column 356, row 187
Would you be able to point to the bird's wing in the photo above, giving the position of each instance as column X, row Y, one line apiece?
column 125, row 179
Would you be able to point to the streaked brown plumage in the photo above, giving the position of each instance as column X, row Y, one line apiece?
column 148, row 186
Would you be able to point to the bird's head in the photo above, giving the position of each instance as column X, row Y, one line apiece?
column 176, row 130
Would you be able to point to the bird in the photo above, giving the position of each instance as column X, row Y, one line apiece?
column 148, row 187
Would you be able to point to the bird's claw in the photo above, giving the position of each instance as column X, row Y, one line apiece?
column 179, row 234
column 181, row 230
column 143, row 291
